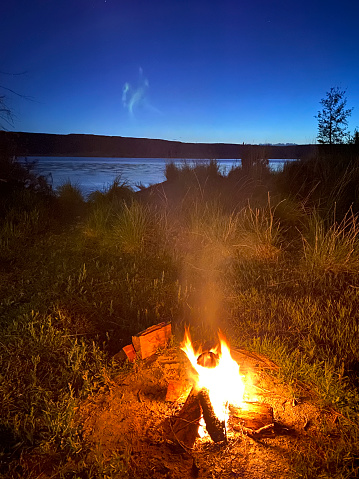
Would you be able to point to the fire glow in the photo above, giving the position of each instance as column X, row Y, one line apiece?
column 219, row 375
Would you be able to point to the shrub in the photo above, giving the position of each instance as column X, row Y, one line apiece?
column 16, row 176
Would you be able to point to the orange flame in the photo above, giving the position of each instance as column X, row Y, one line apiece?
column 224, row 381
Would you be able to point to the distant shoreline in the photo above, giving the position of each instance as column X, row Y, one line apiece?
column 46, row 144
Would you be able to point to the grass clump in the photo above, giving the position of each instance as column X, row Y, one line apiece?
column 332, row 248
column 70, row 202
column 196, row 173
column 260, row 234
column 323, row 182
column 105, row 206
column 132, row 228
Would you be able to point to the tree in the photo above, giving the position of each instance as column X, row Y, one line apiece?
column 5, row 113
column 354, row 139
column 333, row 118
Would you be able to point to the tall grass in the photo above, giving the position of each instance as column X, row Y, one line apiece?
column 260, row 236
column 70, row 202
column 326, row 182
column 196, row 172
column 331, row 248
column 132, row 228
column 117, row 193
column 106, row 205
column 209, row 227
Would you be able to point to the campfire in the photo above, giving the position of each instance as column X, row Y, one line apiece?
column 162, row 413
column 219, row 402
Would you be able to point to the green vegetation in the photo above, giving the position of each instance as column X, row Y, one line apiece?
column 272, row 258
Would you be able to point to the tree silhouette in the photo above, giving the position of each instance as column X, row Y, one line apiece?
column 5, row 113
column 333, row 118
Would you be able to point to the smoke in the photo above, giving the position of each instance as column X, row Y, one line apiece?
column 135, row 97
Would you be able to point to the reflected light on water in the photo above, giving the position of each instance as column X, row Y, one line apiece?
column 92, row 174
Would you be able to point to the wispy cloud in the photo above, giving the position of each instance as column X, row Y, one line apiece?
column 136, row 97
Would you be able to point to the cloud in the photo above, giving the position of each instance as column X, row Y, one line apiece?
column 135, row 97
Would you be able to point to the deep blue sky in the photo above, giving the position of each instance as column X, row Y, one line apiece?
column 249, row 71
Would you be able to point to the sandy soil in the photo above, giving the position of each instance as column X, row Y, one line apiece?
column 127, row 423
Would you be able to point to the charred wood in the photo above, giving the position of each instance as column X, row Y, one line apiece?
column 183, row 428
column 252, row 418
column 215, row 428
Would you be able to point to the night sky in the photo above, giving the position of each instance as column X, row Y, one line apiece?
column 249, row 71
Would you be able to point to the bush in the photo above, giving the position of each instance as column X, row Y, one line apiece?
column 15, row 176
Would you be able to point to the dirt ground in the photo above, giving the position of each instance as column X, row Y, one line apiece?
column 128, row 423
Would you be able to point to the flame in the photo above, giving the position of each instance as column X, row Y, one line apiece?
column 224, row 381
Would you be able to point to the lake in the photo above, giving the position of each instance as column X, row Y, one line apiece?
column 91, row 173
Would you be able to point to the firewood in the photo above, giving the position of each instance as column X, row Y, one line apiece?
column 127, row 352
column 130, row 352
column 182, row 429
column 148, row 341
column 253, row 417
column 215, row 428
column 178, row 390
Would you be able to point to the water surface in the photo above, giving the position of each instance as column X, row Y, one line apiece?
column 92, row 173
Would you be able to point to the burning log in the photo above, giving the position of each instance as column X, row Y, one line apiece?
column 221, row 392
column 177, row 390
column 252, row 418
column 215, row 428
column 183, row 428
